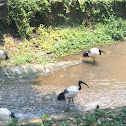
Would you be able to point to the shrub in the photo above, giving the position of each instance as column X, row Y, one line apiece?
column 22, row 12
column 29, row 13
column 116, row 28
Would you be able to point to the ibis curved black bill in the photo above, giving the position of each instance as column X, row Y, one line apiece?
column 83, row 83
column 86, row 85
column 103, row 52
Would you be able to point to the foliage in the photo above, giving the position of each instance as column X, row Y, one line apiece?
column 35, row 124
column 71, row 40
column 23, row 12
column 103, row 28
column 99, row 117
column 23, row 53
column 28, row 13
column 63, row 41
column 97, row 11
column 115, row 28
column 13, row 123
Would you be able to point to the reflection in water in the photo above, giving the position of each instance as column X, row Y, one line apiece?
column 106, row 79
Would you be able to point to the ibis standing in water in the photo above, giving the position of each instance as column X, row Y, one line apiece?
column 93, row 52
column 71, row 92
column 3, row 55
column 6, row 115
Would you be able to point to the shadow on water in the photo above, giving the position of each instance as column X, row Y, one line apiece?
column 90, row 62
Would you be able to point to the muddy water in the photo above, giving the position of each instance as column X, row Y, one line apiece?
column 106, row 79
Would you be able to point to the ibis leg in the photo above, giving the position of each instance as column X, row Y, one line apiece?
column 72, row 101
column 94, row 59
column 69, row 102
column 68, row 106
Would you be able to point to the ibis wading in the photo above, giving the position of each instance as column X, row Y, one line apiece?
column 93, row 52
column 71, row 92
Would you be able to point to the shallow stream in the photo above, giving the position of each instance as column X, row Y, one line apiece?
column 106, row 79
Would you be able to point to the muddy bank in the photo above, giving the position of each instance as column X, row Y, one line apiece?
column 28, row 72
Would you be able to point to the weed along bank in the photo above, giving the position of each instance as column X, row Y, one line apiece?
column 44, row 32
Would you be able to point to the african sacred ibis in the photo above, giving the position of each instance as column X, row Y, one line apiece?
column 70, row 92
column 6, row 115
column 93, row 52
column 3, row 55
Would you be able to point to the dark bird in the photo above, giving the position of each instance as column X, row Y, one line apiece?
column 70, row 92
column 93, row 52
column 3, row 55
column 6, row 115
column 97, row 107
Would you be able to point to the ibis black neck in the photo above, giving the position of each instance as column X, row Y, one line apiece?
column 12, row 115
column 6, row 56
column 81, row 82
column 101, row 51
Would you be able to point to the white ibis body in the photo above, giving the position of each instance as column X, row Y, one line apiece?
column 93, row 52
column 6, row 115
column 71, row 92
column 3, row 55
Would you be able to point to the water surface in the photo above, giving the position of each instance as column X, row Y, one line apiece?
column 106, row 79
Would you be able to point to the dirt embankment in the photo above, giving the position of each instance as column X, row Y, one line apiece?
column 29, row 72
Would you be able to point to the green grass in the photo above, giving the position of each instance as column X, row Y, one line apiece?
column 62, row 41
column 13, row 123
column 98, row 117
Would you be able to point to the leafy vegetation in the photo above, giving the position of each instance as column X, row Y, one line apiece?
column 22, row 12
column 99, row 117
column 13, row 123
column 29, row 13
column 84, row 24
column 62, row 41
column 43, row 40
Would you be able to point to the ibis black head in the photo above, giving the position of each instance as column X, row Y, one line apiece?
column 79, row 83
column 97, row 107
column 101, row 51
column 6, row 56
column 85, row 54
column 12, row 115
